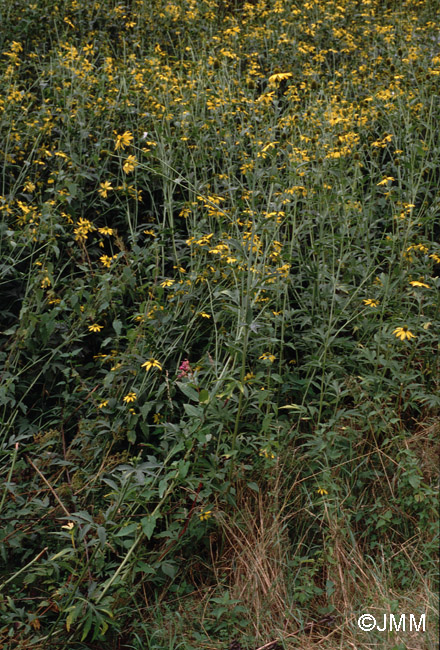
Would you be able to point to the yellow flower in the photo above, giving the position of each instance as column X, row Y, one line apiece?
column 84, row 226
column 130, row 164
column 385, row 180
column 205, row 515
column 415, row 283
column 279, row 76
column 157, row 418
column 45, row 282
column 403, row 333
column 104, row 403
column 151, row 363
column 106, row 260
column 203, row 315
column 131, row 397
column 123, row 140
column 370, row 302
column 69, row 526
column 95, row 327
column 105, row 231
column 105, row 187
column 166, row 283
column 321, row 491
column 268, row 356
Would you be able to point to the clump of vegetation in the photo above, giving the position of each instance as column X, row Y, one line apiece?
column 219, row 329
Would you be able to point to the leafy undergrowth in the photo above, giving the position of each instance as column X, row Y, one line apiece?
column 219, row 327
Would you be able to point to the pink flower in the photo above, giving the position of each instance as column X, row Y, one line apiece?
column 185, row 369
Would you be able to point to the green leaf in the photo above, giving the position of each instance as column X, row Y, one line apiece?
column 117, row 326
column 168, row 569
column 145, row 568
column 146, row 408
column 189, row 390
column 87, row 625
column 253, row 486
column 102, row 535
column 75, row 610
column 203, row 396
column 163, row 484
column 184, row 466
column 294, row 407
column 414, row 481
column 148, row 525
column 193, row 411
column 73, row 189
column 126, row 530
column 10, row 331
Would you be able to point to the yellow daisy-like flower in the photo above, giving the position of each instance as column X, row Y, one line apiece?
column 203, row 315
column 131, row 397
column 69, row 526
column 166, row 283
column 105, row 260
column 385, row 180
column 321, row 491
column 157, row 418
column 84, row 226
column 151, row 363
column 106, row 231
column 268, row 356
column 104, row 403
column 105, row 187
column 95, row 327
column 403, row 333
column 415, row 283
column 205, row 515
column 130, row 164
column 123, row 140
column 370, row 302
column 279, row 76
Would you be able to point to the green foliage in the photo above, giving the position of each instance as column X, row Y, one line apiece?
column 219, row 329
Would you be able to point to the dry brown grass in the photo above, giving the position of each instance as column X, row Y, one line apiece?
column 255, row 560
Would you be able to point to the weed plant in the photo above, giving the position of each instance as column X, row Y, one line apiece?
column 219, row 342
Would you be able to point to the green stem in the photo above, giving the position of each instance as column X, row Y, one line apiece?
column 133, row 547
column 17, row 573
column 11, row 469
